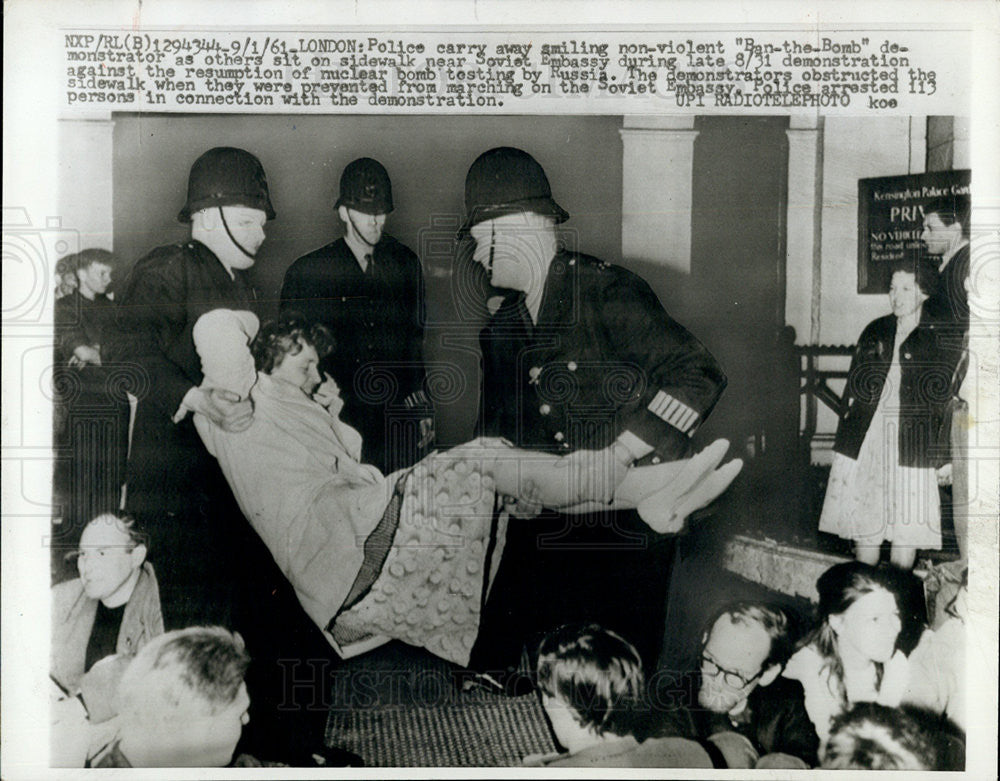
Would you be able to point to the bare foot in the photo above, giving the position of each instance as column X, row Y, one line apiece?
column 665, row 511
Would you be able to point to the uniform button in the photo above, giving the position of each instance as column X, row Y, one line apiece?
column 656, row 459
column 534, row 372
column 571, row 366
column 565, row 446
column 907, row 356
column 559, row 436
column 545, row 409
column 343, row 298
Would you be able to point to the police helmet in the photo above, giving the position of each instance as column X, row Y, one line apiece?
column 506, row 180
column 226, row 176
column 365, row 187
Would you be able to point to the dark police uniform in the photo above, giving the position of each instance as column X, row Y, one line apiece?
column 376, row 317
column 212, row 566
column 92, row 414
column 603, row 358
column 175, row 488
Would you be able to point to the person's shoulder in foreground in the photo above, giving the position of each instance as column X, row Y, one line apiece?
column 594, row 696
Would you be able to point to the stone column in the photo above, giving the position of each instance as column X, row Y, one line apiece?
column 657, row 165
column 86, row 160
column 803, row 258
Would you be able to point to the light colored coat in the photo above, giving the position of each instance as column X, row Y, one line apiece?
column 296, row 475
column 823, row 704
column 73, row 615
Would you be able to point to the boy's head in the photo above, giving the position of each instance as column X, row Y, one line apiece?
column 182, row 701
column 875, row 737
column 591, row 682
column 90, row 269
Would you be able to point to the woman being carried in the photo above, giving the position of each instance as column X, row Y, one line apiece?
column 407, row 555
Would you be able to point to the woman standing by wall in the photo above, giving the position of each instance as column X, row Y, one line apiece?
column 891, row 451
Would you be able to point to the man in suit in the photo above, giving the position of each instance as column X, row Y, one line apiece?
column 946, row 236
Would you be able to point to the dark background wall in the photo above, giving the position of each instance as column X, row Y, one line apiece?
column 732, row 299
column 427, row 159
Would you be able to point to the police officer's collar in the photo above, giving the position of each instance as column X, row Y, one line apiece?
column 360, row 249
column 213, row 261
column 557, row 293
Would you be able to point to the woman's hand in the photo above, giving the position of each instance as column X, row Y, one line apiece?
column 944, row 475
column 85, row 354
column 328, row 395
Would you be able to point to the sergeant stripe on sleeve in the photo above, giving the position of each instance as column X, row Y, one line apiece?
column 416, row 399
column 674, row 412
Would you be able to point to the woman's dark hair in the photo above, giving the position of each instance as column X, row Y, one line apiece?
column 286, row 336
column 924, row 270
column 840, row 587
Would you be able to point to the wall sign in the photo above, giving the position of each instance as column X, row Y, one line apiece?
column 890, row 220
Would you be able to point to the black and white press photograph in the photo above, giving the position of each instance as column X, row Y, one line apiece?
column 454, row 414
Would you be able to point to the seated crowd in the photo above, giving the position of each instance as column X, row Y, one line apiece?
column 759, row 693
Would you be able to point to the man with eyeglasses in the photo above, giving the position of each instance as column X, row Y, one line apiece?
column 751, row 715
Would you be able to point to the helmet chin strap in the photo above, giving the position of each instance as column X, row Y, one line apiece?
column 232, row 238
column 493, row 244
column 356, row 231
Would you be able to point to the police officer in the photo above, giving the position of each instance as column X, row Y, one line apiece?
column 175, row 487
column 212, row 567
column 368, row 289
column 580, row 359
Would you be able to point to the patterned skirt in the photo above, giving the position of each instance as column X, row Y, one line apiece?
column 873, row 498
column 428, row 562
